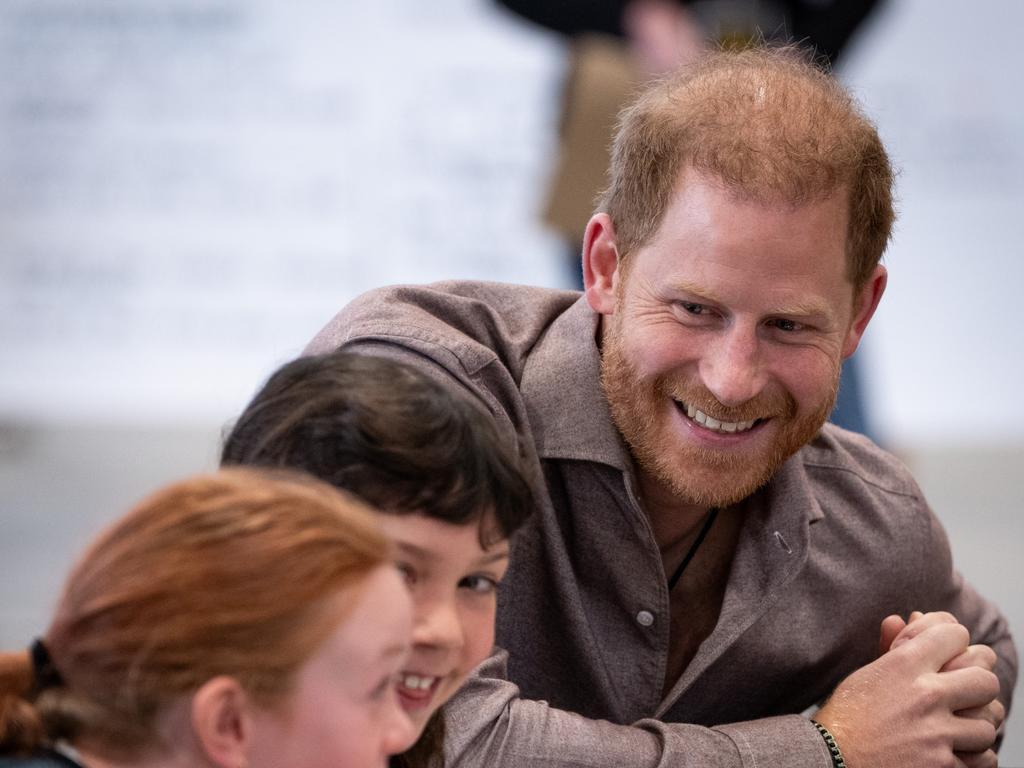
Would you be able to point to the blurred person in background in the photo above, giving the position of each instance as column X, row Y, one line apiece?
column 711, row 561
column 450, row 491
column 618, row 45
column 235, row 619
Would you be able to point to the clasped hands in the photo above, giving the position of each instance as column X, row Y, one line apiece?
column 929, row 700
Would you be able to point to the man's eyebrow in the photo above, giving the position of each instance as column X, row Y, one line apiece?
column 796, row 309
column 699, row 292
column 804, row 309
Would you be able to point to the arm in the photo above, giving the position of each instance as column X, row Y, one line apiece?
column 899, row 711
column 489, row 725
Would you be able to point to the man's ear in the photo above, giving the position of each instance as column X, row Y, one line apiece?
column 864, row 306
column 222, row 721
column 600, row 264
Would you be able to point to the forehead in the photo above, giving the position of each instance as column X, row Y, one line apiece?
column 710, row 233
column 432, row 539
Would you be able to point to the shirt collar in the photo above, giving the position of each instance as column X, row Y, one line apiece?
column 561, row 386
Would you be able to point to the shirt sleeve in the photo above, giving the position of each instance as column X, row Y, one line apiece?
column 946, row 589
column 488, row 725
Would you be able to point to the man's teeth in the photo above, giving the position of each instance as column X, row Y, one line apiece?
column 416, row 683
column 714, row 424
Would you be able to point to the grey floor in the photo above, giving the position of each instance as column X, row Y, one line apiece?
column 58, row 486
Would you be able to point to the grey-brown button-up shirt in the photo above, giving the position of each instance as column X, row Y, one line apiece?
column 840, row 538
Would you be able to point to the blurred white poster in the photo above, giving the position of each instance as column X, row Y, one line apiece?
column 945, row 353
column 190, row 189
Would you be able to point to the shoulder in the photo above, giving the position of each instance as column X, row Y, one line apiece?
column 837, row 457
column 865, row 493
column 499, row 316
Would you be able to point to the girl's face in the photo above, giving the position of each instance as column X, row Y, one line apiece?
column 453, row 582
column 343, row 710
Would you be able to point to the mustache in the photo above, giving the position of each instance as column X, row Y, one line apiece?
column 764, row 406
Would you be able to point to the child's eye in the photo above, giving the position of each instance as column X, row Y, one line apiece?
column 408, row 573
column 479, row 584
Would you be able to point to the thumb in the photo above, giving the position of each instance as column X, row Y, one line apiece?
column 933, row 648
column 891, row 627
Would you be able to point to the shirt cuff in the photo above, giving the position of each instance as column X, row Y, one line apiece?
column 790, row 741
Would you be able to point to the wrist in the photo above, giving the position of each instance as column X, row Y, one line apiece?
column 833, row 749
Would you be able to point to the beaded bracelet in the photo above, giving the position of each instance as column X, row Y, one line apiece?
column 830, row 742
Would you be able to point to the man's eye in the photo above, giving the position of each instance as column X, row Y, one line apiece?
column 694, row 309
column 787, row 325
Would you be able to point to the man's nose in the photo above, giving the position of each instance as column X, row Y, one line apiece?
column 731, row 367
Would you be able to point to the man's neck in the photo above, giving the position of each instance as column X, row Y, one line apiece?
column 672, row 519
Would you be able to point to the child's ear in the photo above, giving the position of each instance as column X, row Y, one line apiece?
column 222, row 721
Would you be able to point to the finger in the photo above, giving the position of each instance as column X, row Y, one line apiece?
column 919, row 622
column 973, row 735
column 994, row 712
column 986, row 759
column 975, row 656
column 932, row 648
column 966, row 688
column 891, row 627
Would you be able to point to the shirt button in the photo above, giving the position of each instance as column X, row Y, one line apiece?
column 645, row 618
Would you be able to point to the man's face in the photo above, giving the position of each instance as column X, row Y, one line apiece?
column 722, row 352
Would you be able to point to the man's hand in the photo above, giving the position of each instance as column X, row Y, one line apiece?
column 926, row 702
column 895, row 631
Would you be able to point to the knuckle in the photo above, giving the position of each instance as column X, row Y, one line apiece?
column 985, row 656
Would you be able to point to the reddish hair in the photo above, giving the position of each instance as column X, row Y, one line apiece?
column 768, row 123
column 224, row 574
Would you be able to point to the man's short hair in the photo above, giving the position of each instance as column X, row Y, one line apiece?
column 772, row 126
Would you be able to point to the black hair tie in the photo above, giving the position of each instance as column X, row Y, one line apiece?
column 44, row 673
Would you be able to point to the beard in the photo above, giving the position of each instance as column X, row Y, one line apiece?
column 640, row 407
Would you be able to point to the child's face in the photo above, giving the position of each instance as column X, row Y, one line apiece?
column 453, row 583
column 344, row 709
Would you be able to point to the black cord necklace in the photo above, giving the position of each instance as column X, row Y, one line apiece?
column 712, row 514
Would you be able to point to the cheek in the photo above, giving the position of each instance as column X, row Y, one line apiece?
column 354, row 740
column 808, row 376
column 325, row 733
column 659, row 350
column 478, row 629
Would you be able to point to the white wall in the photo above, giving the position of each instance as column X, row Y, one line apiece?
column 945, row 354
column 189, row 190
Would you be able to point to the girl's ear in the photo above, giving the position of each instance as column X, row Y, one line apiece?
column 222, row 721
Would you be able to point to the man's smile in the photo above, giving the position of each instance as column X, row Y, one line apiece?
column 715, row 425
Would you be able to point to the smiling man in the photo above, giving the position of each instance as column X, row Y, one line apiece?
column 710, row 561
